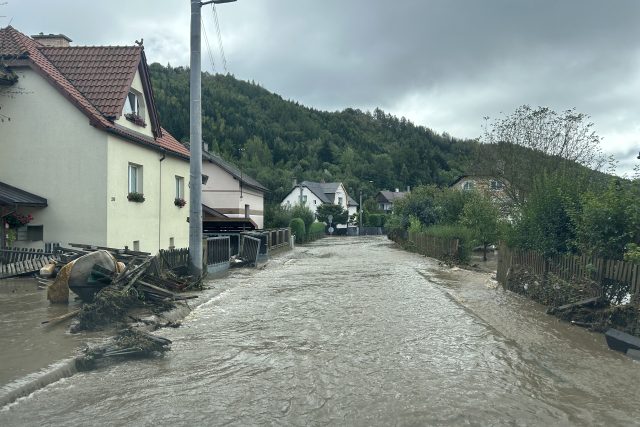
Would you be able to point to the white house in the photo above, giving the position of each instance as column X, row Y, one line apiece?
column 313, row 194
column 231, row 193
column 81, row 132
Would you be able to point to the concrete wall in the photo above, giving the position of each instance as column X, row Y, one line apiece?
column 222, row 192
column 50, row 149
column 155, row 221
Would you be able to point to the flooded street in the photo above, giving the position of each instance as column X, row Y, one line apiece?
column 353, row 331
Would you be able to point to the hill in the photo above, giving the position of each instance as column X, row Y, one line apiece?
column 276, row 140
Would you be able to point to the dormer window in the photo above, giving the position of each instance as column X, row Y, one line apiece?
column 134, row 108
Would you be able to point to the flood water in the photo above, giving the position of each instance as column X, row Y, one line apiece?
column 353, row 331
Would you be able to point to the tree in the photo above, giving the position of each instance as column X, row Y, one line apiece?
column 304, row 213
column 480, row 215
column 607, row 221
column 339, row 214
column 522, row 145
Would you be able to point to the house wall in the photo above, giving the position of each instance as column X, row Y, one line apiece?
column 293, row 198
column 222, row 193
column 155, row 221
column 146, row 130
column 341, row 193
column 49, row 148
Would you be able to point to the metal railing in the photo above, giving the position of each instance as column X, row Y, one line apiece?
column 249, row 249
column 217, row 253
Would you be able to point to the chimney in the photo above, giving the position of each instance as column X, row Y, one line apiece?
column 52, row 40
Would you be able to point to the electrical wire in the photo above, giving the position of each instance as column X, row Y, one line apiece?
column 215, row 17
column 206, row 40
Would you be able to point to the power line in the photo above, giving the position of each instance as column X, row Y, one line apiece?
column 206, row 40
column 215, row 17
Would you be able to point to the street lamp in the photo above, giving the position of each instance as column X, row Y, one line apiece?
column 195, row 139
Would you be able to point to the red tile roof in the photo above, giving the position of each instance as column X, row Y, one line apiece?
column 95, row 79
column 102, row 74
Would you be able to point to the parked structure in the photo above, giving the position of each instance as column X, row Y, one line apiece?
column 82, row 132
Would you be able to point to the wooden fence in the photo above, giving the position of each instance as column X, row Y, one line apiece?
column 570, row 267
column 434, row 247
column 16, row 262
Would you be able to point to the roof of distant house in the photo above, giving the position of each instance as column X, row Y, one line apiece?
column 95, row 79
column 13, row 196
column 351, row 202
column 234, row 171
column 391, row 196
column 477, row 176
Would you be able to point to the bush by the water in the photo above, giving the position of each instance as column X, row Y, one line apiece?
column 316, row 231
column 455, row 231
column 298, row 229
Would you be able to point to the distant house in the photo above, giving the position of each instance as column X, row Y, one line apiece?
column 314, row 194
column 231, row 194
column 386, row 199
column 84, row 152
column 492, row 187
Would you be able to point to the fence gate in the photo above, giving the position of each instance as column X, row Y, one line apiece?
column 249, row 249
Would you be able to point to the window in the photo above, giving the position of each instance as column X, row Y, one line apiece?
column 246, row 211
column 135, row 178
column 136, row 245
column 35, row 233
column 179, row 187
column 340, row 201
column 315, row 201
column 304, row 199
column 496, row 185
column 134, row 103
column 134, row 108
column 171, row 243
column 469, row 185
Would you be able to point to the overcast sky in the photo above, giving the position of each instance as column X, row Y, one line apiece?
column 444, row 64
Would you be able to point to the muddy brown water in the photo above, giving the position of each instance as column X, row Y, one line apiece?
column 355, row 332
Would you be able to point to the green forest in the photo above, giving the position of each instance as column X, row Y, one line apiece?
column 276, row 140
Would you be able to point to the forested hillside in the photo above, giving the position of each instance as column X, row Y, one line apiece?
column 276, row 140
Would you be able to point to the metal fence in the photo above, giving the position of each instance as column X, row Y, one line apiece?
column 217, row 253
column 249, row 249
column 569, row 267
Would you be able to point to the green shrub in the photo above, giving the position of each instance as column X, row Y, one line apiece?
column 463, row 234
column 315, row 231
column 298, row 229
column 304, row 213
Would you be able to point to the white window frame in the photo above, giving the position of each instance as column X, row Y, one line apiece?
column 135, row 178
column 179, row 187
column 340, row 201
column 495, row 185
column 469, row 185
column 134, row 104
column 304, row 198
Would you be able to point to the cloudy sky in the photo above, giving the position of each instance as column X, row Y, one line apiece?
column 444, row 64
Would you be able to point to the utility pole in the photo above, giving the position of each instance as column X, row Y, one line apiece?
column 360, row 207
column 195, row 139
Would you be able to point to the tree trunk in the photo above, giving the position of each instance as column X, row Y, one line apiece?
column 484, row 255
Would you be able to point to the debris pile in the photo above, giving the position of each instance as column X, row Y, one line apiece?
column 128, row 343
column 111, row 282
